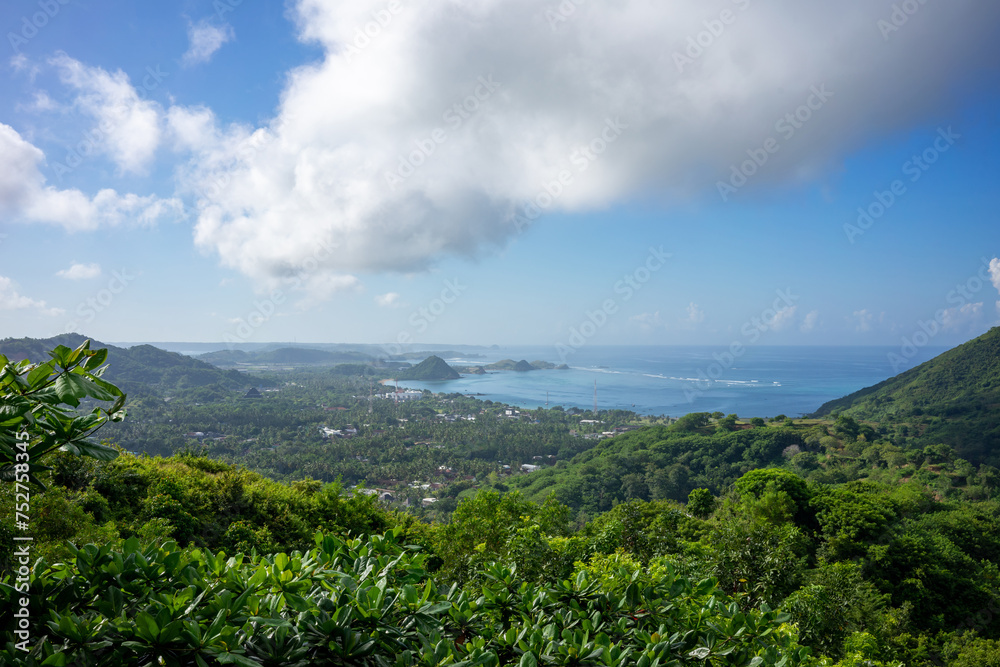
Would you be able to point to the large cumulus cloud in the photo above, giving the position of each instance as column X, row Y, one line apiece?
column 323, row 185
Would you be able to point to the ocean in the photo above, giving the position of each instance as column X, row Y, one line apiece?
column 672, row 381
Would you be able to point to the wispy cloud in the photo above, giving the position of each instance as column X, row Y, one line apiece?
column 128, row 124
column 863, row 320
column 25, row 196
column 784, row 318
column 388, row 300
column 80, row 272
column 695, row 315
column 810, row 321
column 962, row 318
column 205, row 39
column 648, row 321
column 11, row 299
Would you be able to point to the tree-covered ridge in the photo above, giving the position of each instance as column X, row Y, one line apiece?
column 140, row 369
column 952, row 399
column 284, row 355
column 660, row 462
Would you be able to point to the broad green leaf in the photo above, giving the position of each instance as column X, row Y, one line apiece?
column 40, row 374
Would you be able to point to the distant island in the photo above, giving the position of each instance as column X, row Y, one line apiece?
column 523, row 366
column 431, row 368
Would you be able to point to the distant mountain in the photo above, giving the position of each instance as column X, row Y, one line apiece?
column 952, row 399
column 305, row 355
column 285, row 355
column 134, row 367
column 431, row 368
column 440, row 353
column 225, row 357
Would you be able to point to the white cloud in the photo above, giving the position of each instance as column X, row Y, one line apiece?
column 21, row 63
column 863, row 320
column 809, row 321
column 25, row 197
column 319, row 287
column 42, row 102
column 205, row 40
column 784, row 318
column 128, row 124
column 648, row 321
column 80, row 272
column 963, row 317
column 995, row 272
column 387, row 300
column 695, row 315
column 347, row 120
column 10, row 299
column 191, row 128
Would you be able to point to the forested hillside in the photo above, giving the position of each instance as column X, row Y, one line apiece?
column 952, row 399
column 141, row 369
column 709, row 541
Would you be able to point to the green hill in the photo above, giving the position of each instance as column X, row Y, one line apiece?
column 511, row 365
column 431, row 368
column 658, row 462
column 952, row 399
column 135, row 368
column 502, row 365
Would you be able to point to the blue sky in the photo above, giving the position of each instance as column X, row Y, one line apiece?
column 271, row 173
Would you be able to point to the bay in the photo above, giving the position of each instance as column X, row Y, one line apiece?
column 763, row 381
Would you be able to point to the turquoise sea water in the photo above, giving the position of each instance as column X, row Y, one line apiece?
column 762, row 382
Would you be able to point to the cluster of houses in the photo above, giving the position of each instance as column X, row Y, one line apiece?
column 454, row 418
column 402, row 396
column 346, row 432
column 603, row 434
column 205, row 435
